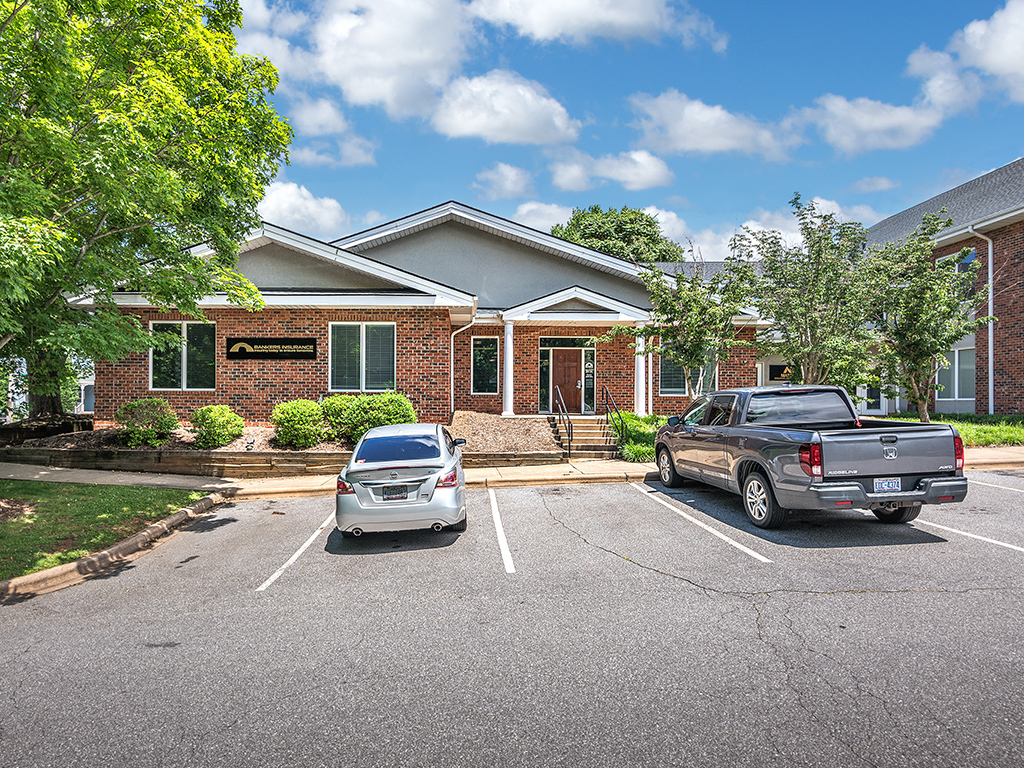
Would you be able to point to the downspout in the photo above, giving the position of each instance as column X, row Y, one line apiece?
column 451, row 362
column 991, row 312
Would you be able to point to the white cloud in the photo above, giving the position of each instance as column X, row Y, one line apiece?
column 348, row 151
column 673, row 122
column 504, row 181
column 945, row 86
column 995, row 47
column 873, row 184
column 317, row 118
column 542, row 216
column 504, row 107
column 634, row 170
column 289, row 205
column 580, row 20
column 322, row 117
column 863, row 124
column 265, row 32
column 395, row 53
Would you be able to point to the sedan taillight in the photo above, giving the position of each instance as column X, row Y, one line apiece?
column 345, row 489
column 451, row 480
column 810, row 459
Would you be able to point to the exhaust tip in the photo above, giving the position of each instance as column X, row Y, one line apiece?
column 357, row 531
column 437, row 527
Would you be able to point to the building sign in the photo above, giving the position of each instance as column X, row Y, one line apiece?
column 271, row 349
column 780, row 373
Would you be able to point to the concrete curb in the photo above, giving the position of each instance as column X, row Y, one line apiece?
column 60, row 576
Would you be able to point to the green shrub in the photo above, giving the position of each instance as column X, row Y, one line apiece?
column 641, row 432
column 299, row 423
column 149, row 421
column 368, row 411
column 637, row 452
column 216, row 425
column 335, row 407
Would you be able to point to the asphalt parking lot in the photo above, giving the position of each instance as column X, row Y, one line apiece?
column 574, row 625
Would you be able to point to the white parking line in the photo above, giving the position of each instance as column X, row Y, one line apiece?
column 705, row 526
column 993, row 485
column 972, row 535
column 293, row 558
column 506, row 555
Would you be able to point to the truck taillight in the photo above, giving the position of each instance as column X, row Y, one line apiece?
column 958, row 451
column 810, row 459
column 345, row 489
column 451, row 480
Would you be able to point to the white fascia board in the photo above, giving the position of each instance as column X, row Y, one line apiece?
column 604, row 303
column 985, row 225
column 336, row 301
column 495, row 225
column 576, row 318
column 356, row 262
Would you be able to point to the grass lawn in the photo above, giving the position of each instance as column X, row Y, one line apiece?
column 47, row 524
column 977, row 430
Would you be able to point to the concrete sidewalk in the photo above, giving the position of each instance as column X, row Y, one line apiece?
column 574, row 472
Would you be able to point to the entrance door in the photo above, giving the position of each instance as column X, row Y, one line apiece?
column 567, row 375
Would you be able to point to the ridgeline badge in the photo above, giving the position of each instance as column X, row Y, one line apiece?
column 271, row 349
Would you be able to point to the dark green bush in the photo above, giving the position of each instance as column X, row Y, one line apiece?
column 335, row 407
column 368, row 411
column 216, row 425
column 298, row 423
column 149, row 421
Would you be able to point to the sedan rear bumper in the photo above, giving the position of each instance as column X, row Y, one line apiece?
column 447, row 506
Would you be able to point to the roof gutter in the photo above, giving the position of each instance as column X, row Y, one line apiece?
column 991, row 312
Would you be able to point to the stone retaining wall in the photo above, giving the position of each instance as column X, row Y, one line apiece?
column 236, row 464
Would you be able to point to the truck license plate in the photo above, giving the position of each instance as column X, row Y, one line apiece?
column 887, row 485
column 395, row 492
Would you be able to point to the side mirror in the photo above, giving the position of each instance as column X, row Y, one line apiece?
column 460, row 441
column 673, row 421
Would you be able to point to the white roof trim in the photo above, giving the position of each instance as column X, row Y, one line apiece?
column 439, row 295
column 308, row 300
column 510, row 230
column 989, row 224
column 610, row 310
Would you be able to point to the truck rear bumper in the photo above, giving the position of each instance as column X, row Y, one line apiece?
column 933, row 490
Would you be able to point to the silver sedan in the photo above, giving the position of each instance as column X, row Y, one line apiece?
column 400, row 478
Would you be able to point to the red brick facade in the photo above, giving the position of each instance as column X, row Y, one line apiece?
column 1008, row 333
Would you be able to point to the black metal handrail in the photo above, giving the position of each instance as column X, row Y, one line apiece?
column 617, row 421
column 563, row 417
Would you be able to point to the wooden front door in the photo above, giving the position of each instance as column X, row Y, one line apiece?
column 567, row 375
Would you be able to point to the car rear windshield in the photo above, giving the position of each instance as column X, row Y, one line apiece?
column 798, row 408
column 398, row 448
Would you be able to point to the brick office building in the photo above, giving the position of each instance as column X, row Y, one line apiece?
column 455, row 307
column 988, row 219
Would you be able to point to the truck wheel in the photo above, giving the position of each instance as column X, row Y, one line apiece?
column 902, row 514
column 667, row 470
column 759, row 502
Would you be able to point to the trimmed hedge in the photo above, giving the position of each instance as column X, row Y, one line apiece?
column 335, row 407
column 298, row 423
column 149, row 421
column 216, row 425
column 368, row 411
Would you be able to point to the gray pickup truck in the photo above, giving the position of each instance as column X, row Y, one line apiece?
column 805, row 447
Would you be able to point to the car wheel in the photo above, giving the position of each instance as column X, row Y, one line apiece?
column 459, row 526
column 759, row 502
column 902, row 514
column 667, row 470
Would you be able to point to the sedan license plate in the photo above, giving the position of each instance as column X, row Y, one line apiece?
column 887, row 485
column 396, row 492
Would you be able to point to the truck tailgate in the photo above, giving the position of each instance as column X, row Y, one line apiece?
column 907, row 450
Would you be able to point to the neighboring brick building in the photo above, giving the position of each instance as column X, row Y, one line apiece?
column 988, row 219
column 455, row 307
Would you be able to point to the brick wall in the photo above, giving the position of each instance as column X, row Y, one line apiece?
column 253, row 387
column 1008, row 332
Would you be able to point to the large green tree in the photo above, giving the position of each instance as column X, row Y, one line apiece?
column 130, row 132
column 816, row 293
column 924, row 306
column 628, row 234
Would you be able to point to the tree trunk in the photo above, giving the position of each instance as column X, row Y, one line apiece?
column 922, row 412
column 46, row 369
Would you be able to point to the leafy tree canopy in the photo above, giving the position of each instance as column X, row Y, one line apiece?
column 628, row 234
column 816, row 293
column 922, row 308
column 129, row 132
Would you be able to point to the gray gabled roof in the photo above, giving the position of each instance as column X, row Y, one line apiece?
column 998, row 194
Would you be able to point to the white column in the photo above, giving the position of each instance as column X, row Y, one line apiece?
column 508, row 375
column 640, row 378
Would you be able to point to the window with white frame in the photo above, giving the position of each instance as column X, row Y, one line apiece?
column 362, row 357
column 957, row 380
column 484, row 376
column 189, row 361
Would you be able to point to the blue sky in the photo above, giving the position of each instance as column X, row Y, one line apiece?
column 710, row 115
